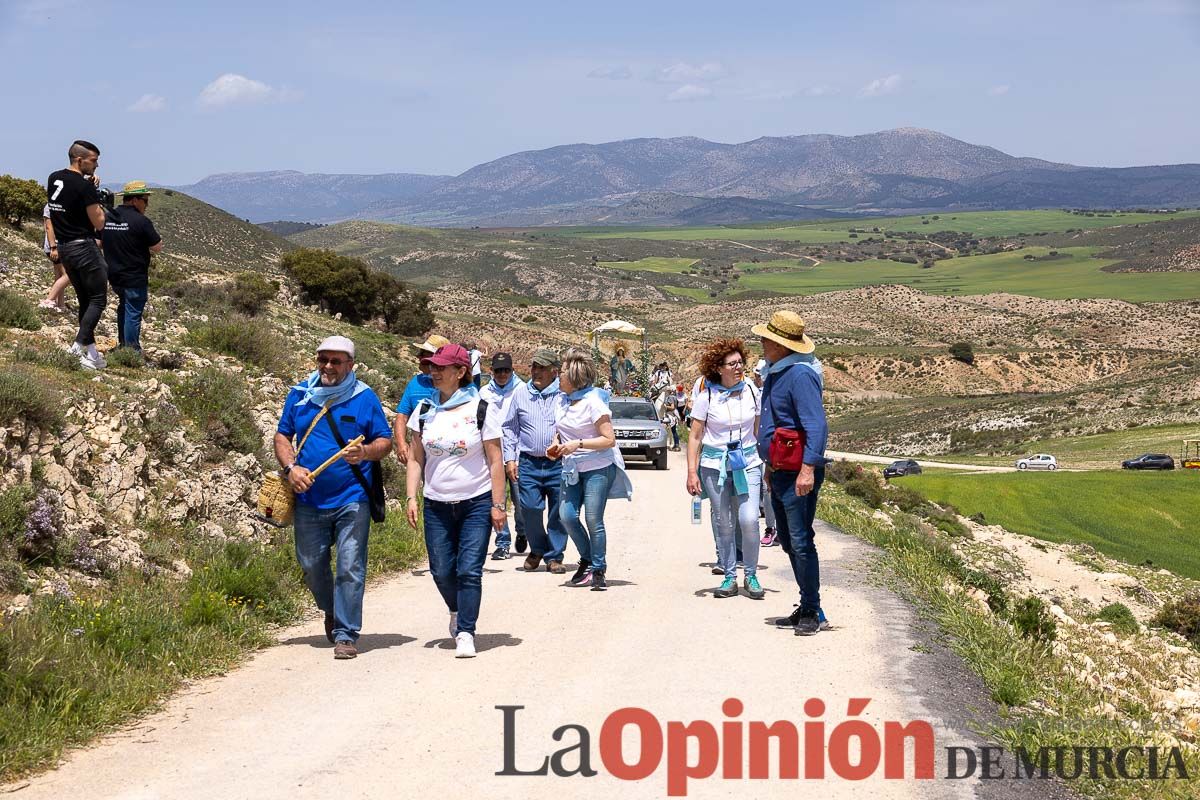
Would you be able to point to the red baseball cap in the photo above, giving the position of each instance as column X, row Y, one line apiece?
column 449, row 355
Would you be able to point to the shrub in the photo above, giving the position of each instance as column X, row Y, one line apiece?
column 1120, row 617
column 245, row 339
column 1033, row 621
column 963, row 351
column 20, row 199
column 344, row 285
column 1181, row 616
column 251, row 292
column 220, row 406
column 126, row 357
column 23, row 395
column 17, row 312
column 53, row 358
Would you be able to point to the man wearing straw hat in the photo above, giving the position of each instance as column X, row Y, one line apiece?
column 791, row 405
column 333, row 510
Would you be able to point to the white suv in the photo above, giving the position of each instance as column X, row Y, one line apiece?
column 1039, row 461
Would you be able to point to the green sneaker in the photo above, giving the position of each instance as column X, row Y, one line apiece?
column 753, row 587
column 728, row 588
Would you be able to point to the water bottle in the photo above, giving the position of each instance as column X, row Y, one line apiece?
column 696, row 504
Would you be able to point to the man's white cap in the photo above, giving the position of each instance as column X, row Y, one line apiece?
column 338, row 343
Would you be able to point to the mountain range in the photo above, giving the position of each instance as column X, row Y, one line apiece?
column 688, row 180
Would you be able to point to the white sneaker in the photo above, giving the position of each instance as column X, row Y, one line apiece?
column 465, row 645
column 87, row 362
column 76, row 349
column 453, row 624
column 96, row 356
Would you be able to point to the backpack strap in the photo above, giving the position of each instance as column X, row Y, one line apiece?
column 481, row 413
column 420, row 412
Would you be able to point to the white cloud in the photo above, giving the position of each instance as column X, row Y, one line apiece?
column 683, row 72
column 234, row 89
column 689, row 91
column 621, row 73
column 880, row 86
column 996, row 91
column 148, row 103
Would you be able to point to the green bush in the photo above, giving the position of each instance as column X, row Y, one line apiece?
column 963, row 351
column 20, row 199
column 1120, row 617
column 17, row 312
column 23, row 395
column 1033, row 621
column 248, row 340
column 126, row 357
column 251, row 292
column 220, row 406
column 347, row 286
column 1181, row 616
column 53, row 357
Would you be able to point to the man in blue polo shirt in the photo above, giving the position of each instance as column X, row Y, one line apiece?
column 419, row 387
column 334, row 508
column 792, row 400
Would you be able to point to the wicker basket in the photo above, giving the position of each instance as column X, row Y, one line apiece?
column 276, row 501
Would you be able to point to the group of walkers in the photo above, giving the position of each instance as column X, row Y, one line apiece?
column 549, row 443
column 92, row 248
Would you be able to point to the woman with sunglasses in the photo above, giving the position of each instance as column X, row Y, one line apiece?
column 456, row 451
column 723, row 460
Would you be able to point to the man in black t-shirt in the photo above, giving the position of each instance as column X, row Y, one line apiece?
column 78, row 218
column 129, row 241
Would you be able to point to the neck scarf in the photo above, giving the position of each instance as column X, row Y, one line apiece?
column 504, row 390
column 737, row 387
column 579, row 394
column 550, row 389
column 319, row 394
column 460, row 397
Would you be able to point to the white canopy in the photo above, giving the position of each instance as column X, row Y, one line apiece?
column 616, row 326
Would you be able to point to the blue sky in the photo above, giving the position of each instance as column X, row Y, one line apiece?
column 172, row 91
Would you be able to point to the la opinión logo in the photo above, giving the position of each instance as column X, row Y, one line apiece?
column 852, row 749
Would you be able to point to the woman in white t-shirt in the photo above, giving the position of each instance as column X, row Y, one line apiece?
column 723, row 460
column 593, row 469
column 456, row 450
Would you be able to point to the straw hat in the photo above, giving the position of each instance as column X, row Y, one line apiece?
column 786, row 328
column 430, row 345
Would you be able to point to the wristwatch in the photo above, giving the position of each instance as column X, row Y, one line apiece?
column 500, row 506
column 288, row 469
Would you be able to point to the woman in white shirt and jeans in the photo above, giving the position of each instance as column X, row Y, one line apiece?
column 456, row 450
column 723, row 460
column 593, row 469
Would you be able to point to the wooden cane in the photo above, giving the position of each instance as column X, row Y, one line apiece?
column 329, row 462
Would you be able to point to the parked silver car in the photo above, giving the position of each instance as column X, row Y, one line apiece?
column 1039, row 461
column 640, row 434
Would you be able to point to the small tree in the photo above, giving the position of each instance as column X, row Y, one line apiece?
column 20, row 199
column 963, row 352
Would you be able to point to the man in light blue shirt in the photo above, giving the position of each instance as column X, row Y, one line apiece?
column 528, row 430
column 498, row 393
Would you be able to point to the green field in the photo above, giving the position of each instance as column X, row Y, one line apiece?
column 699, row 295
column 978, row 223
column 1098, row 451
column 1075, row 274
column 1131, row 516
column 677, row 265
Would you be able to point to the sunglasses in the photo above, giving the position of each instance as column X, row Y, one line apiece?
column 734, row 365
column 333, row 362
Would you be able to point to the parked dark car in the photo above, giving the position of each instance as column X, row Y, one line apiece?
column 903, row 467
column 1150, row 461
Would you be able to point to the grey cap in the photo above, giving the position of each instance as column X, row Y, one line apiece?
column 545, row 357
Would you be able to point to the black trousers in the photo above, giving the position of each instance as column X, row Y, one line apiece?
column 84, row 265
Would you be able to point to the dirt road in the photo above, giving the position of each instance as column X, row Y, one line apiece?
column 869, row 459
column 408, row 720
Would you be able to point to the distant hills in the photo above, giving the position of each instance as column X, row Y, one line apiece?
column 693, row 181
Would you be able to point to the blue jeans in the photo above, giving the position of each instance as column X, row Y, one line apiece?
column 456, row 536
column 794, row 520
column 131, row 302
column 504, row 536
column 734, row 519
column 318, row 531
column 589, row 495
column 539, row 484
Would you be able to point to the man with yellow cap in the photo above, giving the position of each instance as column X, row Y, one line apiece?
column 791, row 440
column 129, row 241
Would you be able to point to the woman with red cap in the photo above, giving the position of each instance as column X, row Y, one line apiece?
column 456, row 451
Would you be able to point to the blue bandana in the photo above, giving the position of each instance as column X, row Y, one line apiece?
column 579, row 394
column 737, row 387
column 550, row 389
column 460, row 397
column 317, row 393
